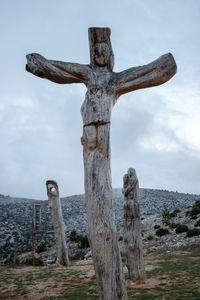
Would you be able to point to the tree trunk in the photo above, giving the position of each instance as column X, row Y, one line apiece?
column 57, row 220
column 132, row 228
column 100, row 214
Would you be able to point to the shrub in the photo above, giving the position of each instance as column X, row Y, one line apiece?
column 12, row 259
column 173, row 225
column 150, row 237
column 181, row 228
column 195, row 210
column 197, row 203
column 173, row 214
column 73, row 236
column 165, row 216
column 162, row 231
column 177, row 211
column 193, row 232
column 193, row 217
column 82, row 240
column 197, row 224
column 41, row 248
column 156, row 226
column 187, row 213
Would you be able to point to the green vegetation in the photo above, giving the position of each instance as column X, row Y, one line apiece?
column 194, row 211
column 41, row 248
column 82, row 240
column 165, row 216
column 197, row 224
column 180, row 228
column 162, row 231
column 156, row 226
column 173, row 225
column 193, row 232
column 150, row 237
column 174, row 213
column 174, row 276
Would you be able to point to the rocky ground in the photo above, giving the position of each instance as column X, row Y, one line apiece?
column 16, row 219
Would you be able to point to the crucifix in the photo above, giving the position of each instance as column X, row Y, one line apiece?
column 104, row 87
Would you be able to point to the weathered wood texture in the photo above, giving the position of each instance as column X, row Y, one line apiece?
column 57, row 220
column 132, row 228
column 103, row 88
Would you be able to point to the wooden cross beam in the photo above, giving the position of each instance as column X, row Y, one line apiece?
column 103, row 89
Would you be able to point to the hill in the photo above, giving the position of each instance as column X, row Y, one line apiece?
column 16, row 215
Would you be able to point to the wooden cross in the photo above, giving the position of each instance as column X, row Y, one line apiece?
column 104, row 87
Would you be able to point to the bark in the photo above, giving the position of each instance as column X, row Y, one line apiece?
column 103, row 88
column 132, row 228
column 57, row 220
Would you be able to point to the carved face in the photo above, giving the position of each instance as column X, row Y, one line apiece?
column 131, row 172
column 52, row 190
column 101, row 54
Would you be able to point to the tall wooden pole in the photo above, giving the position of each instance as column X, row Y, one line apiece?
column 57, row 220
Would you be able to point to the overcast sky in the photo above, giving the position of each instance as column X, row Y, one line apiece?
column 155, row 130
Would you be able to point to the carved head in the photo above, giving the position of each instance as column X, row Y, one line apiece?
column 131, row 172
column 52, row 188
column 101, row 53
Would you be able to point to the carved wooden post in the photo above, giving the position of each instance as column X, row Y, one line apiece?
column 57, row 220
column 103, row 89
column 132, row 228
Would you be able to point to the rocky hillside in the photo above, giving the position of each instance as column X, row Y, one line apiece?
column 16, row 215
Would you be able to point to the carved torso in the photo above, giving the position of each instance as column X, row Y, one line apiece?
column 99, row 98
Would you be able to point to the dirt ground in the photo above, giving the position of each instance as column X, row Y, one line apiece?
column 53, row 282
column 39, row 283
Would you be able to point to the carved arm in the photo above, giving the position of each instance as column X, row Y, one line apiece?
column 56, row 71
column 155, row 73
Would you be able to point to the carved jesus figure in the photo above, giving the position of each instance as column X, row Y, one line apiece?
column 104, row 87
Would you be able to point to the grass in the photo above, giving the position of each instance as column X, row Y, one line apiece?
column 177, row 275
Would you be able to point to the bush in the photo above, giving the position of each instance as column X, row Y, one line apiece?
column 195, row 210
column 173, row 214
column 194, row 217
column 165, row 217
column 193, row 232
column 181, row 228
column 150, row 237
column 197, row 224
column 173, row 225
column 82, row 240
column 73, row 236
column 12, row 259
column 156, row 226
column 187, row 213
column 197, row 203
column 177, row 211
column 162, row 231
column 41, row 248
